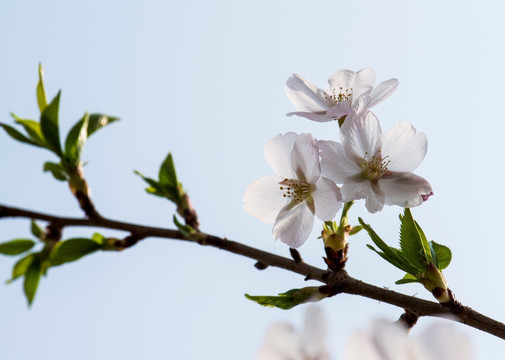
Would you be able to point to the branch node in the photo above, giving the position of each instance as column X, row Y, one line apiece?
column 295, row 255
column 407, row 320
column 260, row 266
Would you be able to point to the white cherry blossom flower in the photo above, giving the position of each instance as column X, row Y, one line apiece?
column 341, row 96
column 283, row 342
column 298, row 191
column 374, row 166
column 386, row 341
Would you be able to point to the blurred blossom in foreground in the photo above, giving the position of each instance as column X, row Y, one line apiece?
column 385, row 341
column 283, row 342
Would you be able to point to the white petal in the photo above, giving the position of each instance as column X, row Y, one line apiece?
column 359, row 188
column 327, row 199
column 281, row 342
column 363, row 82
column 263, row 198
column 317, row 116
column 314, row 333
column 340, row 79
column 305, row 159
column 304, row 95
column 404, row 189
column 442, row 341
column 294, row 224
column 334, row 162
column 343, row 108
column 360, row 104
column 383, row 91
column 361, row 136
column 278, row 154
column 405, row 148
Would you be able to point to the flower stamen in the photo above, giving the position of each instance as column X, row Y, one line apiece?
column 376, row 167
column 296, row 190
column 335, row 98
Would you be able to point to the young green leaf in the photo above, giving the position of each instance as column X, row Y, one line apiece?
column 16, row 247
column 289, row 299
column 36, row 230
column 98, row 121
column 411, row 243
column 41, row 93
column 49, row 124
column 72, row 249
column 57, row 170
column 21, row 266
column 32, row 277
column 16, row 135
column 167, row 174
column 76, row 139
column 32, row 128
column 443, row 253
column 408, row 278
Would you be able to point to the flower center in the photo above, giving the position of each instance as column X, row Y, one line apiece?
column 335, row 97
column 375, row 167
column 296, row 190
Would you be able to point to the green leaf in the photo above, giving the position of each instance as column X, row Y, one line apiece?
column 32, row 277
column 16, row 135
column 50, row 126
column 41, row 93
column 76, row 139
column 99, row 239
column 390, row 254
column 16, row 247
column 167, row 175
column 98, row 121
column 408, row 278
column 32, row 128
column 36, row 229
column 356, row 229
column 72, row 249
column 21, row 266
column 443, row 254
column 57, row 170
column 289, row 299
column 411, row 242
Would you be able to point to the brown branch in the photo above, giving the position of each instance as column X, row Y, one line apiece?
column 336, row 282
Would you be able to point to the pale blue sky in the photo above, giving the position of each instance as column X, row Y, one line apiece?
column 205, row 80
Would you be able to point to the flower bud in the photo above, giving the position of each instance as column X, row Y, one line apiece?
column 434, row 281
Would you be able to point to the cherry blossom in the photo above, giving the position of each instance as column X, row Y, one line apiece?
column 341, row 96
column 296, row 193
column 374, row 166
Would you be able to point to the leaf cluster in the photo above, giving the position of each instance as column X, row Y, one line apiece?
column 45, row 133
column 52, row 253
column 415, row 254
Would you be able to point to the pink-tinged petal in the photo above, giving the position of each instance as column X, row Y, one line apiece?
column 281, row 342
column 360, row 188
column 383, row 91
column 294, row 224
column 404, row 189
column 314, row 334
column 442, row 341
column 305, row 159
column 380, row 341
column 360, row 104
column 340, row 79
column 278, row 154
column 363, row 82
column 263, row 198
column 327, row 199
column 334, row 162
column 405, row 148
column 343, row 108
column 361, row 136
column 304, row 95
column 318, row 116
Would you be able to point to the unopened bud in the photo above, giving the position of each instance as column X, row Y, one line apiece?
column 434, row 281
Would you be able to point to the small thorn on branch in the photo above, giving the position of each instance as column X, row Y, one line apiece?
column 260, row 266
column 295, row 255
